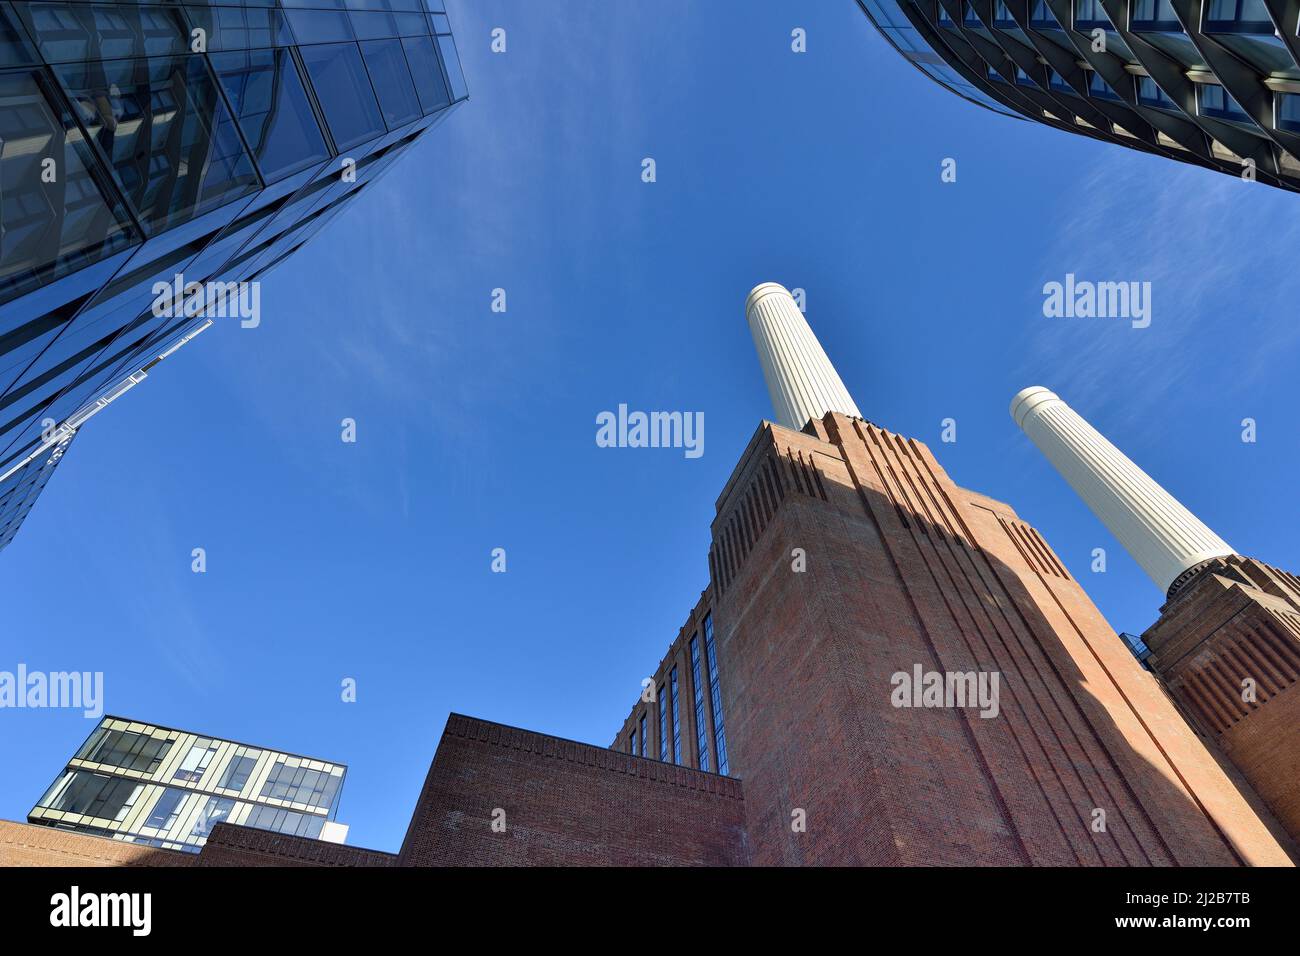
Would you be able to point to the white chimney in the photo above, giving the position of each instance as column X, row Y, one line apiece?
column 800, row 378
column 1162, row 536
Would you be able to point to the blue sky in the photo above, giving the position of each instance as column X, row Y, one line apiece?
column 476, row 429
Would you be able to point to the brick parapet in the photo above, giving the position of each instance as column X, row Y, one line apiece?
column 231, row 845
column 528, row 741
column 502, row 796
column 30, row 844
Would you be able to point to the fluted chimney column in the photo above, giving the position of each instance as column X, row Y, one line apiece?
column 1162, row 536
column 800, row 378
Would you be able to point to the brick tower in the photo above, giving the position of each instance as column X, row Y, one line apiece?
column 844, row 561
column 1227, row 644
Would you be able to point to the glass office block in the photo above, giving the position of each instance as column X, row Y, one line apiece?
column 142, row 783
column 192, row 137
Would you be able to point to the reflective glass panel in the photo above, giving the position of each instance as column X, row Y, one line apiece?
column 1155, row 15
column 1288, row 112
column 447, row 47
column 196, row 761
column 1097, row 86
column 1150, row 94
column 163, row 814
column 50, row 225
column 13, row 47
column 268, row 97
column 677, row 719
column 427, row 73
column 1266, row 53
column 701, row 718
column 167, row 134
column 373, row 25
column 131, row 750
column 217, row 809
column 1042, row 16
column 392, row 81
column 715, row 698
column 661, row 702
column 1089, row 14
column 1217, row 102
column 96, row 795
column 343, row 89
column 320, row 26
column 68, row 32
column 1238, row 16
column 240, row 28
column 237, row 772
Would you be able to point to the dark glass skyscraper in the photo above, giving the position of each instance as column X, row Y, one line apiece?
column 192, row 144
column 1215, row 83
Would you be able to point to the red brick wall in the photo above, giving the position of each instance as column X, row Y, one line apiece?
column 230, row 845
column 25, row 844
column 906, row 568
column 1265, row 747
column 1237, row 619
column 566, row 804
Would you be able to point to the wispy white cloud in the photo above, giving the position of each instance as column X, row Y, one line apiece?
column 1183, row 229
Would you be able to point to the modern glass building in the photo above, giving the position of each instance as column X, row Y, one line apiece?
column 1215, row 83
column 168, row 788
column 191, row 144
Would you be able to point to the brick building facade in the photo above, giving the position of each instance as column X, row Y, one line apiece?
column 903, row 568
column 562, row 803
column 842, row 556
column 1228, row 646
